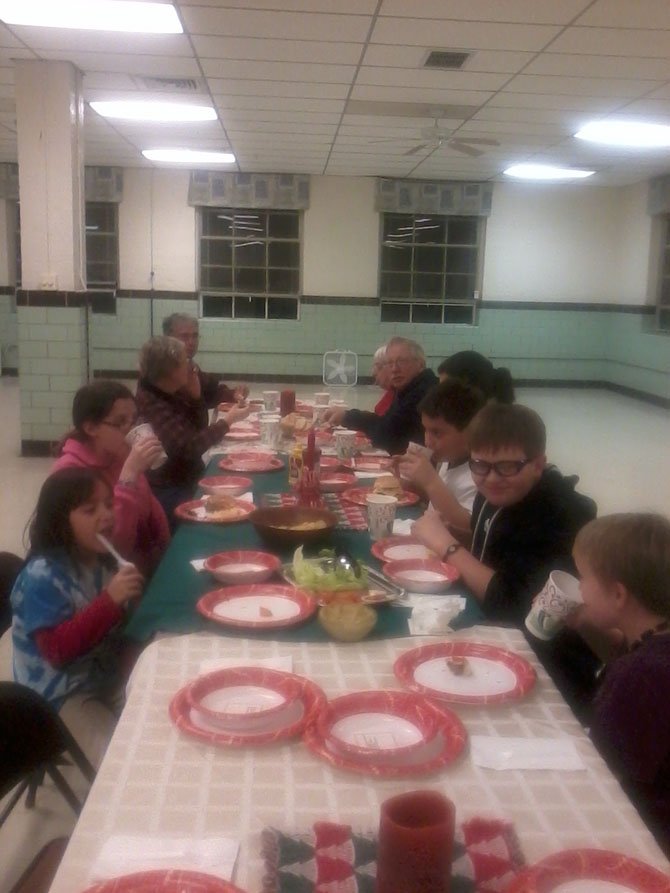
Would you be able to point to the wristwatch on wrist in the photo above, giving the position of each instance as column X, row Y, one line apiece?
column 454, row 547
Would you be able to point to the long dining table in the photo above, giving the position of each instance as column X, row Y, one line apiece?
column 169, row 602
column 156, row 781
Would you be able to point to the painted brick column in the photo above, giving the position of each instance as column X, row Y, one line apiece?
column 52, row 303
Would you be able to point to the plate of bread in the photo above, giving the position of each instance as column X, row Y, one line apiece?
column 219, row 509
column 386, row 485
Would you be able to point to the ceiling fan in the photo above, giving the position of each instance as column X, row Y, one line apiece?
column 434, row 137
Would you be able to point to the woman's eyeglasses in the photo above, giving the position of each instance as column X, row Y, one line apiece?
column 506, row 468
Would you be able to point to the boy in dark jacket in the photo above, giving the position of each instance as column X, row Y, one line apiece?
column 524, row 522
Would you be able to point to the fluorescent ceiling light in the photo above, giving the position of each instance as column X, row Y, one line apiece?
column 136, row 110
column 545, row 172
column 93, row 15
column 635, row 134
column 188, row 156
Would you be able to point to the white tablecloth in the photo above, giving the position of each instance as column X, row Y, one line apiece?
column 155, row 780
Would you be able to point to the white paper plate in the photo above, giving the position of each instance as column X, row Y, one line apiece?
column 248, row 608
column 486, row 677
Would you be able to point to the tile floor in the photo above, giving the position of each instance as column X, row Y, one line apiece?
column 618, row 445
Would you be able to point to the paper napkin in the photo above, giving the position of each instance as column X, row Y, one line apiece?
column 432, row 616
column 402, row 526
column 128, row 854
column 493, row 752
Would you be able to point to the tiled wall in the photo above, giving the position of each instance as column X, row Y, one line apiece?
column 52, row 363
column 562, row 345
column 535, row 344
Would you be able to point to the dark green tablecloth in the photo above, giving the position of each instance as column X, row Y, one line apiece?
column 168, row 605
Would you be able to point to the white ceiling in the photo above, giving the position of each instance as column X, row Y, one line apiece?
column 338, row 87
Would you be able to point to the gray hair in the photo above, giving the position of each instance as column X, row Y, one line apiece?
column 174, row 319
column 412, row 346
column 379, row 355
column 159, row 356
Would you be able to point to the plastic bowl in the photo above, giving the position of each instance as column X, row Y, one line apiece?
column 225, row 485
column 347, row 621
column 276, row 526
column 242, row 567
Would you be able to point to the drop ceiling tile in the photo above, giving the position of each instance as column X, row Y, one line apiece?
column 462, row 35
column 266, row 50
column 600, row 66
column 69, row 41
column 240, row 117
column 482, row 128
column 229, row 87
column 627, row 14
column 343, row 6
column 153, row 66
column 264, row 127
column 613, row 42
column 241, row 69
column 528, row 83
column 276, row 24
column 522, row 11
column 431, row 80
column 658, row 109
column 417, row 94
column 274, row 103
column 659, row 93
column 595, row 104
column 400, row 57
column 529, row 116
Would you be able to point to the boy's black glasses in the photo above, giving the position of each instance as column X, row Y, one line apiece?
column 507, row 468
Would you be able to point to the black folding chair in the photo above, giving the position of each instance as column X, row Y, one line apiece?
column 34, row 741
column 10, row 565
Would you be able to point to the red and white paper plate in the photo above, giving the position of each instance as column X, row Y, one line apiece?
column 372, row 464
column 199, row 510
column 430, row 736
column 225, row 484
column 309, row 702
column 357, row 495
column 422, row 574
column 490, row 675
column 242, row 566
column 590, row 871
column 242, row 434
column 246, row 699
column 250, row 462
column 335, row 482
column 257, row 606
column 400, row 548
column 165, row 881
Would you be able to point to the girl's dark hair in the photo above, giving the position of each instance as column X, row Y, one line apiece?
column 92, row 403
column 474, row 369
column 61, row 493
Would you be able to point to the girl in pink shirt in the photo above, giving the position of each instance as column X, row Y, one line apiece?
column 103, row 413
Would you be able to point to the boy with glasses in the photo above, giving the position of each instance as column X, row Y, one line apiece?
column 525, row 518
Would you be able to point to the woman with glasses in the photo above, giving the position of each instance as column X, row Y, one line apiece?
column 525, row 518
column 103, row 412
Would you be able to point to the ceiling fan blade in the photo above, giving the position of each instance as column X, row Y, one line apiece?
column 477, row 141
column 464, row 148
column 415, row 149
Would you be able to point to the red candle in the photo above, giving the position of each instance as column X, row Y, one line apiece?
column 286, row 402
column 416, row 837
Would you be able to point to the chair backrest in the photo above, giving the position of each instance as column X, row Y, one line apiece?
column 10, row 565
column 31, row 734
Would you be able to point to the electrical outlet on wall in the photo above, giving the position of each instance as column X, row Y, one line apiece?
column 49, row 281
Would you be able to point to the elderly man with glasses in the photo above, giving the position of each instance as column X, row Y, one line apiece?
column 401, row 423
column 201, row 386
